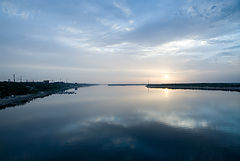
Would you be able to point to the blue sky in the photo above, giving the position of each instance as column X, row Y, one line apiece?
column 120, row 41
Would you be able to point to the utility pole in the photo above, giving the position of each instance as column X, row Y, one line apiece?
column 13, row 77
column 20, row 78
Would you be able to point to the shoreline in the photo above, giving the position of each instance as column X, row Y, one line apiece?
column 200, row 86
column 45, row 89
column 23, row 99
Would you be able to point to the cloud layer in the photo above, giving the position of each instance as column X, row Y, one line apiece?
column 121, row 40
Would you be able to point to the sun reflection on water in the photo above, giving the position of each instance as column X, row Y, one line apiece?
column 166, row 92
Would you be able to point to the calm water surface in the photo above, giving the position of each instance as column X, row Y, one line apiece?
column 124, row 123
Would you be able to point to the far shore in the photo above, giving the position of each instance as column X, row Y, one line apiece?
column 126, row 84
column 199, row 86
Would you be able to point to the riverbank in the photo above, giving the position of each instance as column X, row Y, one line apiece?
column 17, row 93
column 199, row 86
column 126, row 84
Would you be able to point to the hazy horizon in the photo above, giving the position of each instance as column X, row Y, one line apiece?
column 120, row 41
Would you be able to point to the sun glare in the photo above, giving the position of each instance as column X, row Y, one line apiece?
column 166, row 92
column 166, row 77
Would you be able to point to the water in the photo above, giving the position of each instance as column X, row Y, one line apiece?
column 124, row 123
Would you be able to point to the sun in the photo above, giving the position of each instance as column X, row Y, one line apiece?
column 166, row 77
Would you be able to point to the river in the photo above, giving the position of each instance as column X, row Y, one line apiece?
column 123, row 123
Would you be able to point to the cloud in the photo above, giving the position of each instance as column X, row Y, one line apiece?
column 117, row 26
column 192, row 19
column 13, row 10
column 69, row 29
column 146, row 38
column 122, row 7
column 209, row 9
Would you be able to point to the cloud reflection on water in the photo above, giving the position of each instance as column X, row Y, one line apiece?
column 121, row 123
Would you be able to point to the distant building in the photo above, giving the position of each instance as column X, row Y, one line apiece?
column 46, row 81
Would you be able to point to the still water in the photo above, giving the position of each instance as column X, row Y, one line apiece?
column 124, row 123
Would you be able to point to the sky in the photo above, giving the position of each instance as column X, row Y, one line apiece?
column 120, row 41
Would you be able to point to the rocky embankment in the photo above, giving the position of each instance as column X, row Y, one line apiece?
column 17, row 93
